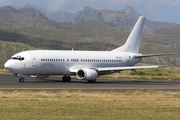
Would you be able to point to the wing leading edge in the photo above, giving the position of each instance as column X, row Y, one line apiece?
column 104, row 69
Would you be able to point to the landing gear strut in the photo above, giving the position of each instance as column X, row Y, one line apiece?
column 66, row 78
column 21, row 79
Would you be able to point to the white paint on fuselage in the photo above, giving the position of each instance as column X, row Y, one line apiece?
column 36, row 62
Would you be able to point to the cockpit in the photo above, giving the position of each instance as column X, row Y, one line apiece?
column 18, row 58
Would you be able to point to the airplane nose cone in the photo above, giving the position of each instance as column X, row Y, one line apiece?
column 7, row 65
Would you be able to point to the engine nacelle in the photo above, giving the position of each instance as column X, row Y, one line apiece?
column 39, row 76
column 87, row 74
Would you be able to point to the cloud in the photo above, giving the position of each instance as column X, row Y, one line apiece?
column 143, row 6
column 54, row 5
column 148, row 7
column 176, row 3
column 4, row 2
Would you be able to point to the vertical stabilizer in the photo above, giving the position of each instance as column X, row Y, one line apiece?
column 134, row 40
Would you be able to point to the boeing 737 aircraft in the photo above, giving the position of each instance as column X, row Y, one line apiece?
column 85, row 65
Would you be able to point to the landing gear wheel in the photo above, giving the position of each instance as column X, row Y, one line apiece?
column 66, row 79
column 92, row 81
column 21, row 80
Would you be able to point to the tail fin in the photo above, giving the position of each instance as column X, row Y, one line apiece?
column 134, row 40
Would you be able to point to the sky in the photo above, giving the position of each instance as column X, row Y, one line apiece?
column 156, row 10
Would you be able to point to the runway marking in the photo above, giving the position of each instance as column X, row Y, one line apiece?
column 88, row 88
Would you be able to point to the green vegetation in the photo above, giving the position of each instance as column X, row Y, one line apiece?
column 143, row 104
column 164, row 36
column 4, row 71
column 9, row 48
column 147, row 74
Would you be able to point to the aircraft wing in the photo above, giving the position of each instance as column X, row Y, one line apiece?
column 104, row 69
column 125, row 68
column 151, row 55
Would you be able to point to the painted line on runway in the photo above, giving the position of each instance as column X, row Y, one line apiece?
column 88, row 88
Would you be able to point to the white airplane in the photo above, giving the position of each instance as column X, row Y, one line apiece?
column 85, row 65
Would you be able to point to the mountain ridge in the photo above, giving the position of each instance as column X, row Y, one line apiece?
column 126, row 17
column 23, row 13
column 122, row 19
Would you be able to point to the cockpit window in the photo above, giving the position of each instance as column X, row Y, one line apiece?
column 17, row 58
column 21, row 58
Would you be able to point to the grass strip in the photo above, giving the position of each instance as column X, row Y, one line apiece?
column 141, row 104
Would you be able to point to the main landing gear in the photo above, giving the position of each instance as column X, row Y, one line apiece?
column 66, row 78
column 21, row 79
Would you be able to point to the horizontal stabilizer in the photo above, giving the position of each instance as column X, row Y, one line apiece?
column 126, row 68
column 152, row 55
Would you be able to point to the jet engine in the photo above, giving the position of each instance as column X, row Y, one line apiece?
column 87, row 74
column 39, row 76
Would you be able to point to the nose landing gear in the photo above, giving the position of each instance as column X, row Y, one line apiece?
column 21, row 77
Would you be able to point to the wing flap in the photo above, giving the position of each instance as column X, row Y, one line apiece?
column 125, row 68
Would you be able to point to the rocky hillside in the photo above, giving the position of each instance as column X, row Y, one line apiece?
column 125, row 17
column 60, row 16
column 122, row 19
column 20, row 13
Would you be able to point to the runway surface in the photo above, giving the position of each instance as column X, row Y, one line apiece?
column 10, row 83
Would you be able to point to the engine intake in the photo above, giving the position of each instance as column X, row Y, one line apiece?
column 87, row 74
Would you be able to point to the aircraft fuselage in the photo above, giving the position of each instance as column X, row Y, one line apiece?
column 56, row 62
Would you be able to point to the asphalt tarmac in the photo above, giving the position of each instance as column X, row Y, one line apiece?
column 10, row 83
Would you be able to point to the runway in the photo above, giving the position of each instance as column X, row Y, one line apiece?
column 10, row 83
